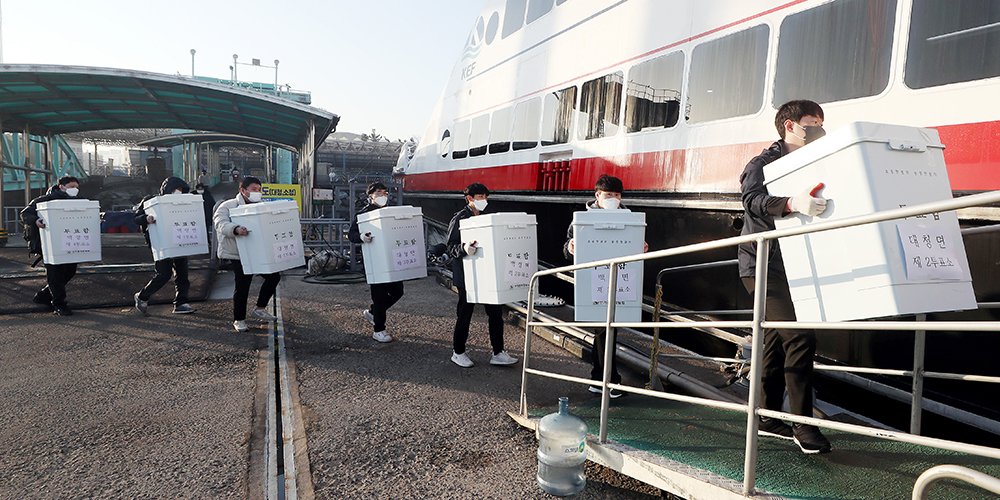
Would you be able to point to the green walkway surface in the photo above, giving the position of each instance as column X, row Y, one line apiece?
column 860, row 467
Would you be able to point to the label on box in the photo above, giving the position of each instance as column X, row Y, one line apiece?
column 627, row 288
column 517, row 269
column 929, row 253
column 285, row 251
column 77, row 240
column 186, row 233
column 405, row 258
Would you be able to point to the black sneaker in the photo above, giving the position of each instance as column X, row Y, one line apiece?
column 43, row 299
column 772, row 427
column 810, row 439
column 63, row 311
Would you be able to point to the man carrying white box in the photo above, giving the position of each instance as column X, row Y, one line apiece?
column 165, row 268
column 384, row 295
column 788, row 354
column 475, row 199
column 227, row 231
column 56, row 275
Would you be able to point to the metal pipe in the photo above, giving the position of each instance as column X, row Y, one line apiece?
column 916, row 402
column 609, row 344
column 935, row 474
column 756, row 355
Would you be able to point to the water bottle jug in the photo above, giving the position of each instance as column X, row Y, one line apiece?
column 561, row 452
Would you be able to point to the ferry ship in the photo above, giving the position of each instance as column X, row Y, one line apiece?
column 674, row 97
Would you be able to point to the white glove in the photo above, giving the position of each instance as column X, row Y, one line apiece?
column 470, row 248
column 367, row 237
column 150, row 219
column 807, row 203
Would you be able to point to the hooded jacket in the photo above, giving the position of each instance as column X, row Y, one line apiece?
column 29, row 216
column 759, row 211
column 226, row 229
column 170, row 184
column 455, row 247
column 591, row 205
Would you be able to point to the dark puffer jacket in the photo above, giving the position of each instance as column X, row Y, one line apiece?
column 759, row 211
column 170, row 184
column 29, row 216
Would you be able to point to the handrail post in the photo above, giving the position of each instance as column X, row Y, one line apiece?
column 609, row 349
column 753, row 400
column 527, row 345
column 919, row 352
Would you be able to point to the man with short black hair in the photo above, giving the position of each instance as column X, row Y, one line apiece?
column 57, row 276
column 788, row 354
column 384, row 295
column 475, row 203
column 227, row 232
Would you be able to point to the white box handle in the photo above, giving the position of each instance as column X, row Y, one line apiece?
column 517, row 226
column 403, row 217
column 904, row 145
column 608, row 225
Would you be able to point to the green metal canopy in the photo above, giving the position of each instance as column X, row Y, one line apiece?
column 64, row 99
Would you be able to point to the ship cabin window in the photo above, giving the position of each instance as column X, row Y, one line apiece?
column 560, row 2
column 557, row 115
column 600, row 104
column 480, row 135
column 445, row 146
column 834, row 52
column 513, row 17
column 537, row 9
column 461, row 140
column 500, row 130
column 653, row 93
column 952, row 41
column 526, row 118
column 727, row 74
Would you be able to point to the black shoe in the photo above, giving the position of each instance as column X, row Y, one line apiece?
column 613, row 393
column 772, row 427
column 43, row 299
column 63, row 311
column 810, row 439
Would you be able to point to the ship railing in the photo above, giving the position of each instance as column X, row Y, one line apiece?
column 935, row 474
column 757, row 325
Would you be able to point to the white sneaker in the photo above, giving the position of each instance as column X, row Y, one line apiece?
column 240, row 326
column 382, row 336
column 369, row 316
column 262, row 314
column 140, row 305
column 613, row 393
column 503, row 359
column 461, row 360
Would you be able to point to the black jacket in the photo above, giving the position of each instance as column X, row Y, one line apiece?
column 354, row 234
column 29, row 216
column 209, row 206
column 455, row 248
column 759, row 211
column 591, row 205
column 169, row 185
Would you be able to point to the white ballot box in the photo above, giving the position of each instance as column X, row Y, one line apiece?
column 275, row 240
column 397, row 251
column 915, row 265
column 500, row 271
column 606, row 234
column 72, row 231
column 179, row 229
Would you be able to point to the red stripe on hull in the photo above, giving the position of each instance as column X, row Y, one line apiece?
column 972, row 153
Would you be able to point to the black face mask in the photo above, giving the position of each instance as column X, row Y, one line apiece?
column 813, row 132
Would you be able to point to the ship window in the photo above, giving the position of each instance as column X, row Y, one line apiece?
column 500, row 130
column 445, row 146
column 600, row 102
column 837, row 51
column 513, row 17
column 560, row 2
column 461, row 140
column 480, row 135
column 653, row 93
column 727, row 76
column 557, row 115
column 526, row 116
column 538, row 8
column 952, row 41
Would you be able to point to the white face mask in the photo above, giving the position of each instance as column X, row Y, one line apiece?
column 201, row 191
column 72, row 191
column 381, row 200
column 610, row 203
column 254, row 197
column 479, row 204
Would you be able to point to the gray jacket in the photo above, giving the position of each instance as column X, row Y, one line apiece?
column 226, row 229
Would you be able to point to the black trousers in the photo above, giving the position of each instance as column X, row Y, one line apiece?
column 165, row 268
column 384, row 296
column 788, row 354
column 56, row 278
column 494, row 313
column 242, row 292
column 597, row 356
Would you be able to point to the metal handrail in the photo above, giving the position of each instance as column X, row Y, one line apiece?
column 935, row 474
column 757, row 325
